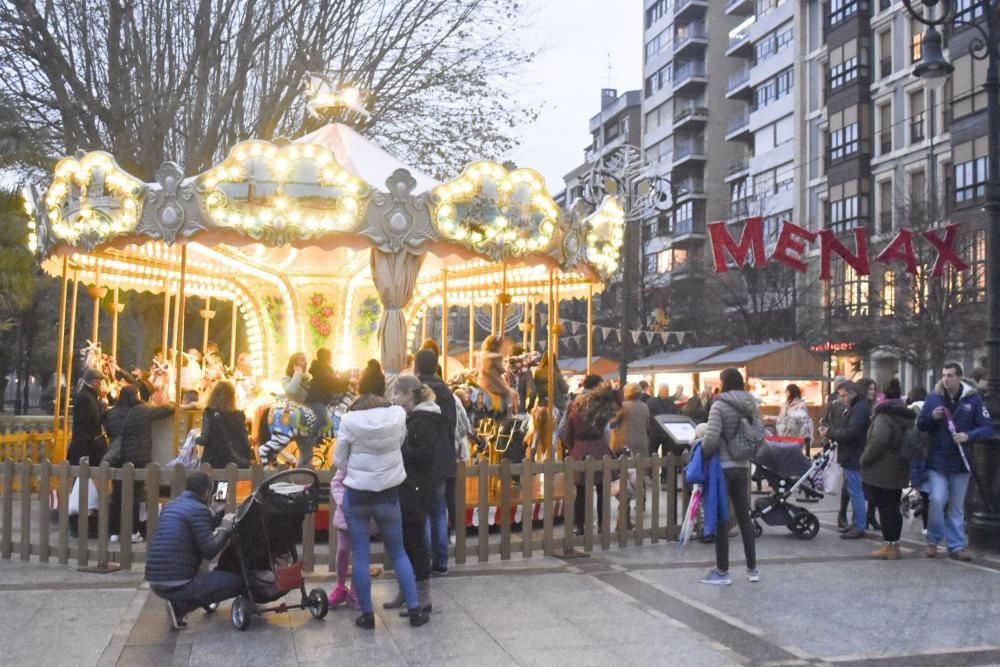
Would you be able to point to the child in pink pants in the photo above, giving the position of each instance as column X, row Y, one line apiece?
column 341, row 594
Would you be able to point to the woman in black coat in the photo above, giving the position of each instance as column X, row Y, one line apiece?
column 426, row 428
column 224, row 429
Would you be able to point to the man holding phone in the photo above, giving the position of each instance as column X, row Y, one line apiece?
column 184, row 538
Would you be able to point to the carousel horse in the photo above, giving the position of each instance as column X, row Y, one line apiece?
column 94, row 357
column 290, row 421
column 159, row 377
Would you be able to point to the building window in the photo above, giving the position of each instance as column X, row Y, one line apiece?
column 841, row 10
column 885, row 207
column 778, row 86
column 653, row 264
column 888, row 306
column 970, row 180
column 975, row 278
column 773, row 43
column 918, row 189
column 762, row 7
column 763, row 183
column 847, row 71
column 656, row 12
column 885, row 128
column 772, row 227
column 739, row 200
column 657, row 80
column 844, row 214
column 611, row 132
column 848, row 292
column 844, row 142
column 885, row 53
column 917, row 133
column 916, row 40
column 966, row 11
column 684, row 218
column 656, row 44
column 625, row 125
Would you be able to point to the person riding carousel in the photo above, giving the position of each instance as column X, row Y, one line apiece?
column 500, row 399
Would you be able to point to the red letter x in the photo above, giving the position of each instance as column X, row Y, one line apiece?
column 946, row 251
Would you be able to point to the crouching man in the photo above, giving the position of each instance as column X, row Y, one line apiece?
column 184, row 538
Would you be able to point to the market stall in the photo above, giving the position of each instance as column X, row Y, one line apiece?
column 673, row 369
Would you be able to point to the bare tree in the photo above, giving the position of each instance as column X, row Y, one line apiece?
column 182, row 80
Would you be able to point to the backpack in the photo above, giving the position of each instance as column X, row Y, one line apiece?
column 748, row 438
column 915, row 445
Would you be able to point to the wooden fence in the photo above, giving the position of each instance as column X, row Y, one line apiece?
column 35, row 518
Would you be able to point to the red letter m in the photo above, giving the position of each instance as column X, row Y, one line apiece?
column 722, row 243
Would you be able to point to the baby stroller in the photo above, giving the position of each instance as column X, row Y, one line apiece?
column 787, row 470
column 262, row 549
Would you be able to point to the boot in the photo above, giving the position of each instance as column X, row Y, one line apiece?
column 890, row 551
column 418, row 617
column 423, row 597
column 397, row 602
column 366, row 620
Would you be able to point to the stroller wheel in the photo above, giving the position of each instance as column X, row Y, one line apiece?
column 318, row 603
column 241, row 612
column 805, row 526
column 758, row 529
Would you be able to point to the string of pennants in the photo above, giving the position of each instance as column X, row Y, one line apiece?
column 638, row 336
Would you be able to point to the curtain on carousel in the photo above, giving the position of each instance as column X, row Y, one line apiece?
column 395, row 277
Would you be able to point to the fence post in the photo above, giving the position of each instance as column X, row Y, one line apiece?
column 504, row 510
column 459, row 518
column 527, row 506
column 125, row 528
column 178, row 479
column 484, row 511
column 656, row 467
column 569, row 504
column 640, row 499
column 673, row 491
column 232, row 478
column 152, row 498
column 83, row 515
column 6, row 542
column 588, row 504
column 62, row 491
column 25, row 550
column 549, row 473
column 103, row 477
column 256, row 476
column 44, row 483
column 606, row 463
column 624, row 501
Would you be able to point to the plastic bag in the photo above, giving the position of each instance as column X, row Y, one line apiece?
column 74, row 498
column 833, row 478
column 188, row 456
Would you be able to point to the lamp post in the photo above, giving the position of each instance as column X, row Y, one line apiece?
column 625, row 173
column 983, row 503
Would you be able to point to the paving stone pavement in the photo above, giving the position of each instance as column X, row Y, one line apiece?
column 820, row 602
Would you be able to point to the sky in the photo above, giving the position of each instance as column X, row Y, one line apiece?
column 579, row 39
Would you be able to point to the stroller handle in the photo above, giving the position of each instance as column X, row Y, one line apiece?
column 313, row 486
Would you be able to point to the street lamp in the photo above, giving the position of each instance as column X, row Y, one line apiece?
column 984, row 519
column 625, row 172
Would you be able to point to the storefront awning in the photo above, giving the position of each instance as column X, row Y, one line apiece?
column 679, row 360
column 781, row 360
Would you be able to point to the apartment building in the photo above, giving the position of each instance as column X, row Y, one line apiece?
column 880, row 149
column 686, row 117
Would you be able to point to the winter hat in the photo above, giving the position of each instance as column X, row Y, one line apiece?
column 372, row 379
column 426, row 362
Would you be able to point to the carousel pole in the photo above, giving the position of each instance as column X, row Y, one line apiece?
column 232, row 340
column 444, row 324
column 526, row 325
column 69, row 352
column 472, row 330
column 590, row 326
column 177, row 319
column 504, row 297
column 178, row 344
column 534, row 322
column 423, row 327
column 493, row 317
column 549, row 347
column 96, row 293
column 116, row 310
column 206, row 315
column 59, row 354
column 166, row 320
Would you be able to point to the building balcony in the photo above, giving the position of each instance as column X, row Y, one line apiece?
column 739, row 126
column 688, row 149
column 690, row 113
column 739, row 43
column 738, row 169
column 692, row 36
column 691, row 73
column 688, row 188
column 688, row 231
column 739, row 84
column 690, row 9
column 739, row 209
column 739, row 7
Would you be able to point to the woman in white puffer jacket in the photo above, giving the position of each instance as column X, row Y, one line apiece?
column 369, row 451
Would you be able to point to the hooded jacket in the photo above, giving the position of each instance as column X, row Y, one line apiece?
column 323, row 385
column 970, row 416
column 426, row 429
column 723, row 422
column 369, row 448
column 850, row 436
column 881, row 462
column 444, row 452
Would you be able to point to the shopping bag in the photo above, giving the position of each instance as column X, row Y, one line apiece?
column 188, row 456
column 833, row 478
column 74, row 497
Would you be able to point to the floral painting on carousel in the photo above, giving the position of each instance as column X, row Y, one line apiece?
column 369, row 313
column 321, row 312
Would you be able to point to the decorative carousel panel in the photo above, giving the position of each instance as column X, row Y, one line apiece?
column 91, row 200
column 497, row 213
column 604, row 228
column 281, row 194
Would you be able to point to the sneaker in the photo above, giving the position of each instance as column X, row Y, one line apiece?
column 716, row 578
column 451, row 540
column 137, row 538
column 852, row 534
column 439, row 571
column 932, row 550
column 337, row 597
column 961, row 555
column 923, row 531
column 753, row 576
column 176, row 621
column 114, row 539
column 365, row 621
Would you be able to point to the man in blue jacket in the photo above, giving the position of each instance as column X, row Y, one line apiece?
column 184, row 538
column 850, row 435
column 954, row 415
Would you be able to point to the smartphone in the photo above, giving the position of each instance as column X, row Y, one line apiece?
column 221, row 492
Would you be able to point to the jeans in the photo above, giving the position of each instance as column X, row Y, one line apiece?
column 580, row 506
column 856, row 491
column 947, row 489
column 436, row 528
column 738, row 490
column 360, row 507
column 307, row 443
column 206, row 588
column 887, row 501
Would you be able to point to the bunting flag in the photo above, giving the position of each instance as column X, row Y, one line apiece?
column 650, row 335
column 680, row 337
column 665, row 337
column 574, row 326
column 635, row 336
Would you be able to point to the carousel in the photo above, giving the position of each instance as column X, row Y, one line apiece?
column 325, row 240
